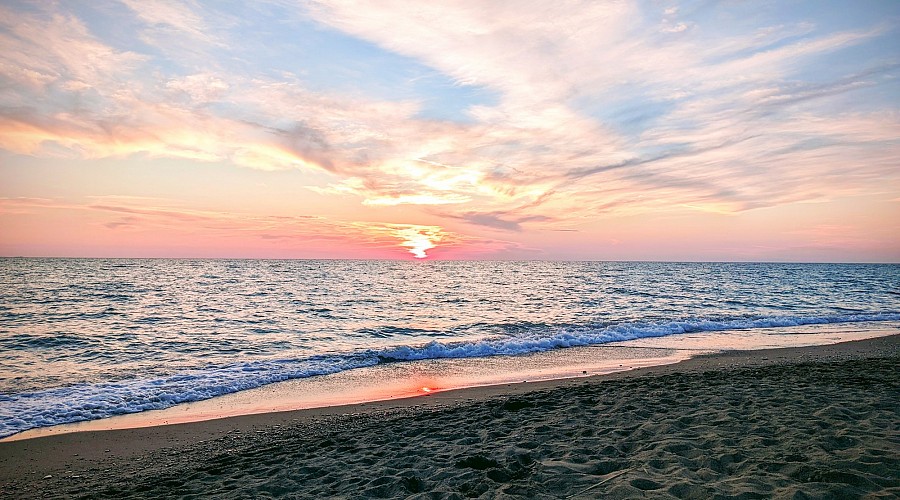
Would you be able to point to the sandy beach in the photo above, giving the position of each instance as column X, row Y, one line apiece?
column 815, row 422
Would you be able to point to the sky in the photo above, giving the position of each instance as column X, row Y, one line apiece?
column 596, row 130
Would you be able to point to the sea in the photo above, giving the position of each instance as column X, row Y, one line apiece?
column 84, row 339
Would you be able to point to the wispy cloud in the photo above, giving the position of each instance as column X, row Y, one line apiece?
column 600, row 108
column 711, row 145
column 56, row 53
column 167, row 17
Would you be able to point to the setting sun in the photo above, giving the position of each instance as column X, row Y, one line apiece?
column 418, row 239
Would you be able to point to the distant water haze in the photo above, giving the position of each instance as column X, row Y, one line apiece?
column 83, row 339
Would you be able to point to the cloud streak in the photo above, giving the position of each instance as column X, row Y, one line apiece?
column 597, row 109
column 158, row 219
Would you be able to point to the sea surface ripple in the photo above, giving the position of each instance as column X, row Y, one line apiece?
column 88, row 338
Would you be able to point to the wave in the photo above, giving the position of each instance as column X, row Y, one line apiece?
column 23, row 411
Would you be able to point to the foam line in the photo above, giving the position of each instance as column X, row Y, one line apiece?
column 23, row 411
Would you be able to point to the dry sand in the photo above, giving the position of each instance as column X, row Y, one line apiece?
column 819, row 422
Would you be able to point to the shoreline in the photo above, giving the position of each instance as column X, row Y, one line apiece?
column 103, row 458
column 383, row 383
column 397, row 381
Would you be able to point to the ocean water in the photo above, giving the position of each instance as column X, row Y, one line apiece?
column 82, row 339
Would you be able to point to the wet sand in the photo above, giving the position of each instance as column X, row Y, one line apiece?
column 815, row 422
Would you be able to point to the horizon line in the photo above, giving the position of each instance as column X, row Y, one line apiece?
column 430, row 259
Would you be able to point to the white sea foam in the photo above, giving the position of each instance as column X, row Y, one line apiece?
column 22, row 411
